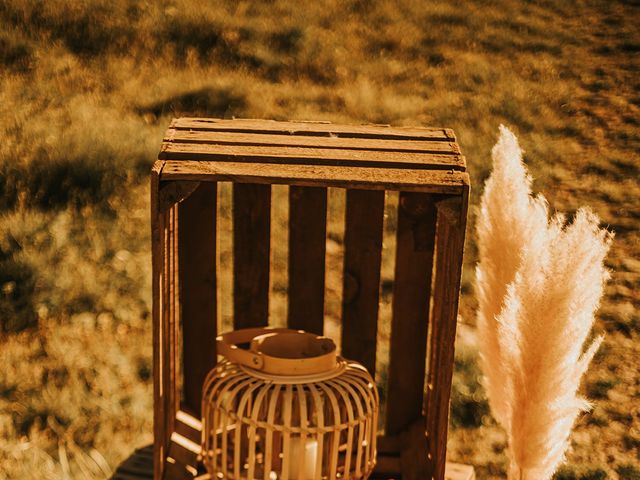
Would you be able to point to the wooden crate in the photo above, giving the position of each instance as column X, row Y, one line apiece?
column 423, row 164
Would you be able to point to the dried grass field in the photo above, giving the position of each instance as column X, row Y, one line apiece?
column 87, row 88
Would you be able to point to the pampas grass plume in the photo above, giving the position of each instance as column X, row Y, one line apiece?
column 539, row 283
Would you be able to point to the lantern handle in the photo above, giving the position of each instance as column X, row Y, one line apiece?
column 280, row 351
column 227, row 345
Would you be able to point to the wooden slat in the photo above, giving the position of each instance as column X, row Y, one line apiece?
column 197, row 253
column 314, row 128
column 327, row 142
column 188, row 425
column 184, row 453
column 251, row 227
column 310, row 156
column 362, row 257
column 450, row 232
column 157, row 261
column 171, row 321
column 307, row 245
column 411, row 294
column 410, row 180
column 184, row 448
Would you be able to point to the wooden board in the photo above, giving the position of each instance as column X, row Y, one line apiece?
column 184, row 448
column 307, row 245
column 251, row 241
column 450, row 233
column 157, row 267
column 174, row 319
column 315, row 141
column 362, row 257
column 197, row 254
column 298, row 155
column 405, row 179
column 410, row 320
column 314, row 128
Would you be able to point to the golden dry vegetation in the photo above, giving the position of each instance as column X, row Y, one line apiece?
column 88, row 86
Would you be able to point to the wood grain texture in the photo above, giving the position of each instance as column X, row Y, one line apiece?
column 314, row 128
column 157, row 266
column 307, row 245
column 410, row 320
column 450, row 234
column 251, row 242
column 197, row 253
column 410, row 180
column 324, row 141
column 171, row 323
column 362, row 257
column 311, row 156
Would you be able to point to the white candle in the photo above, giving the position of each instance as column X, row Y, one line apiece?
column 303, row 458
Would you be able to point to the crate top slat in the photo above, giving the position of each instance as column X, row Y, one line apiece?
column 309, row 156
column 314, row 129
column 449, row 182
column 314, row 141
column 313, row 153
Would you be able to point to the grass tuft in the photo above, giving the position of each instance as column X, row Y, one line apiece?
column 17, row 285
column 568, row 472
column 85, row 28
column 628, row 472
column 469, row 406
column 15, row 54
column 598, row 389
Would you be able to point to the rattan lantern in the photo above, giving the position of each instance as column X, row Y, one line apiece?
column 287, row 408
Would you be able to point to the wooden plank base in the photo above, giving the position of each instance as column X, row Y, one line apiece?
column 139, row 466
